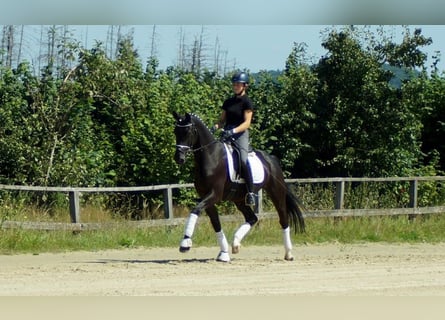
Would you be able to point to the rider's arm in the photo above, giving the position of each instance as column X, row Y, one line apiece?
column 247, row 120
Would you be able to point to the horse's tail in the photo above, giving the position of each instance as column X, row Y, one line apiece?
column 295, row 212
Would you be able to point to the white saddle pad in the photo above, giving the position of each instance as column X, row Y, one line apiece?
column 255, row 165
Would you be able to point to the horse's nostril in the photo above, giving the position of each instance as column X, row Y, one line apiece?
column 179, row 160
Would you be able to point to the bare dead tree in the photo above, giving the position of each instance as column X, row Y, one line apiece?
column 54, row 49
column 110, row 41
column 19, row 55
column 153, row 43
column 86, row 37
column 51, row 46
column 114, row 36
column 216, row 56
column 181, row 50
column 219, row 59
column 9, row 44
column 63, row 47
column 225, row 69
column 40, row 48
column 195, row 58
column 119, row 38
column 3, row 46
column 201, row 53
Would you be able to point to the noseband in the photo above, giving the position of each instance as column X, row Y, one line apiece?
column 184, row 148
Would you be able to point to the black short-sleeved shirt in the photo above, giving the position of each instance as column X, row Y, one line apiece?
column 235, row 107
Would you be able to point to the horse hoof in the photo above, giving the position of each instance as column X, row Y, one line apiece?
column 223, row 257
column 288, row 257
column 185, row 245
column 235, row 249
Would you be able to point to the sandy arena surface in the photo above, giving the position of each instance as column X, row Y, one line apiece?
column 331, row 269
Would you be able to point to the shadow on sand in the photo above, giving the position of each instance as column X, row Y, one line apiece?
column 153, row 261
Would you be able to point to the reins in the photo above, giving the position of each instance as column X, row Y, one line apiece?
column 187, row 148
column 204, row 146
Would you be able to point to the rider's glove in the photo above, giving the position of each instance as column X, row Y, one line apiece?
column 226, row 134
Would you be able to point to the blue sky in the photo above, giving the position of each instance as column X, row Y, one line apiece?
column 258, row 34
column 252, row 47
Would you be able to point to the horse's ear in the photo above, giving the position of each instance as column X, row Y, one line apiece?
column 188, row 117
column 176, row 115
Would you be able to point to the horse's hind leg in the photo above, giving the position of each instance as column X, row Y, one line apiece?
column 278, row 197
column 244, row 229
column 287, row 244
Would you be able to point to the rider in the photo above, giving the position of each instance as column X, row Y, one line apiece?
column 236, row 117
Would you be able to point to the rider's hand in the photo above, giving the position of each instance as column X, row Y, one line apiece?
column 226, row 134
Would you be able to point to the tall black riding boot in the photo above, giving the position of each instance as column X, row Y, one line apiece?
column 250, row 196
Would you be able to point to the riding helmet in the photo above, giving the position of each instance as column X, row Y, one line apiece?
column 240, row 77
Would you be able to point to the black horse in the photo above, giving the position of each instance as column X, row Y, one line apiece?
column 213, row 185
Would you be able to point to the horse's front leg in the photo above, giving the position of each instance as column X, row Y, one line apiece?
column 186, row 242
column 189, row 229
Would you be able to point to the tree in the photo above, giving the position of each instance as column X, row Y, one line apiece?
column 356, row 104
column 407, row 54
column 426, row 96
column 295, row 116
column 19, row 152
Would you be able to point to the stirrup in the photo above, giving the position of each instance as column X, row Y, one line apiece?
column 250, row 199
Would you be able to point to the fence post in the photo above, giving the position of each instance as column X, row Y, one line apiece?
column 74, row 206
column 259, row 205
column 168, row 201
column 413, row 186
column 339, row 197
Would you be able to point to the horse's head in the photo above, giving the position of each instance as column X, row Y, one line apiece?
column 185, row 133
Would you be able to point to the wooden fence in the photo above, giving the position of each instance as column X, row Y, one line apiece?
column 339, row 209
column 74, row 195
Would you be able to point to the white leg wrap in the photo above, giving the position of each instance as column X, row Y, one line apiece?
column 286, row 239
column 222, row 241
column 190, row 225
column 241, row 233
column 185, row 245
column 223, row 255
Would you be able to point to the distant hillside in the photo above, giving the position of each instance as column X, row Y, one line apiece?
column 274, row 74
column 400, row 75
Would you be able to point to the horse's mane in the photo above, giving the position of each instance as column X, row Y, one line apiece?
column 198, row 118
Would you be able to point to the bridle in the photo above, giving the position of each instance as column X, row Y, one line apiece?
column 185, row 148
column 180, row 147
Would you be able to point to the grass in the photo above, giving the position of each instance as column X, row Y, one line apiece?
column 266, row 232
column 394, row 229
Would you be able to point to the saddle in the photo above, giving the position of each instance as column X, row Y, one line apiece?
column 234, row 168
